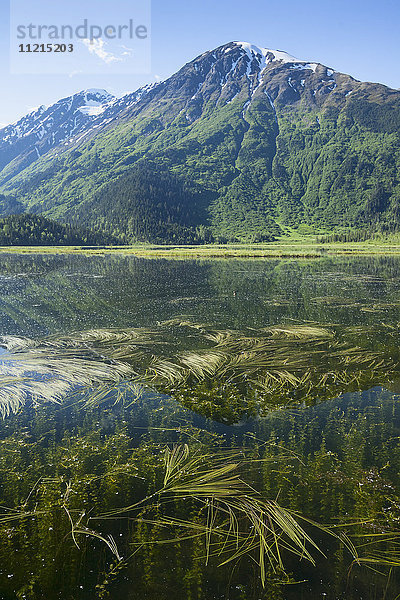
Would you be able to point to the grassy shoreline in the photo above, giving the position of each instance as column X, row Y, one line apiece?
column 290, row 248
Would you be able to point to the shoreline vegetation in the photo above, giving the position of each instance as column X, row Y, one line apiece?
column 308, row 247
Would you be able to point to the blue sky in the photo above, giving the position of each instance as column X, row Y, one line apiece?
column 353, row 36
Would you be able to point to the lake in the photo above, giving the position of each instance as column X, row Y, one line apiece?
column 199, row 429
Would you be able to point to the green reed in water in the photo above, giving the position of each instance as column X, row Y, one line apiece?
column 231, row 516
column 203, row 495
column 223, row 374
column 149, row 501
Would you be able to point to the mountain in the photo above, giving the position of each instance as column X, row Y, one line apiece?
column 23, row 142
column 238, row 144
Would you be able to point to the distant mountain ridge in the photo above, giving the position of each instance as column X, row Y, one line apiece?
column 238, row 144
column 23, row 142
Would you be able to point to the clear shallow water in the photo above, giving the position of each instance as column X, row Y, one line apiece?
column 44, row 294
column 346, row 451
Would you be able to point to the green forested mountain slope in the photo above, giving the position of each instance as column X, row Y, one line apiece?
column 239, row 143
column 35, row 230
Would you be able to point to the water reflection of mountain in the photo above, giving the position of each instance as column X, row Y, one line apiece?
column 44, row 294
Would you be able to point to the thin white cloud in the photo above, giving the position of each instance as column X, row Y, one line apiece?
column 3, row 125
column 96, row 46
column 128, row 51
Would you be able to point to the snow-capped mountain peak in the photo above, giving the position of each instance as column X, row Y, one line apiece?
column 239, row 72
column 95, row 101
column 266, row 56
column 47, row 126
column 96, row 92
column 89, row 103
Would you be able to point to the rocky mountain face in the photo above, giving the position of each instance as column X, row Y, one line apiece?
column 23, row 142
column 239, row 143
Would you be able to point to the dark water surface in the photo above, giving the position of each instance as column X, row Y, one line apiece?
column 335, row 462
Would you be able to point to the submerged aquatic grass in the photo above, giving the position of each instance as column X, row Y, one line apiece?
column 204, row 494
column 233, row 518
column 44, row 374
column 268, row 367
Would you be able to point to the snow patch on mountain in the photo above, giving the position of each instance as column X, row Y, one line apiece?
column 62, row 118
column 92, row 109
column 265, row 56
column 97, row 92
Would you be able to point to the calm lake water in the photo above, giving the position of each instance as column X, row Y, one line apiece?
column 330, row 453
